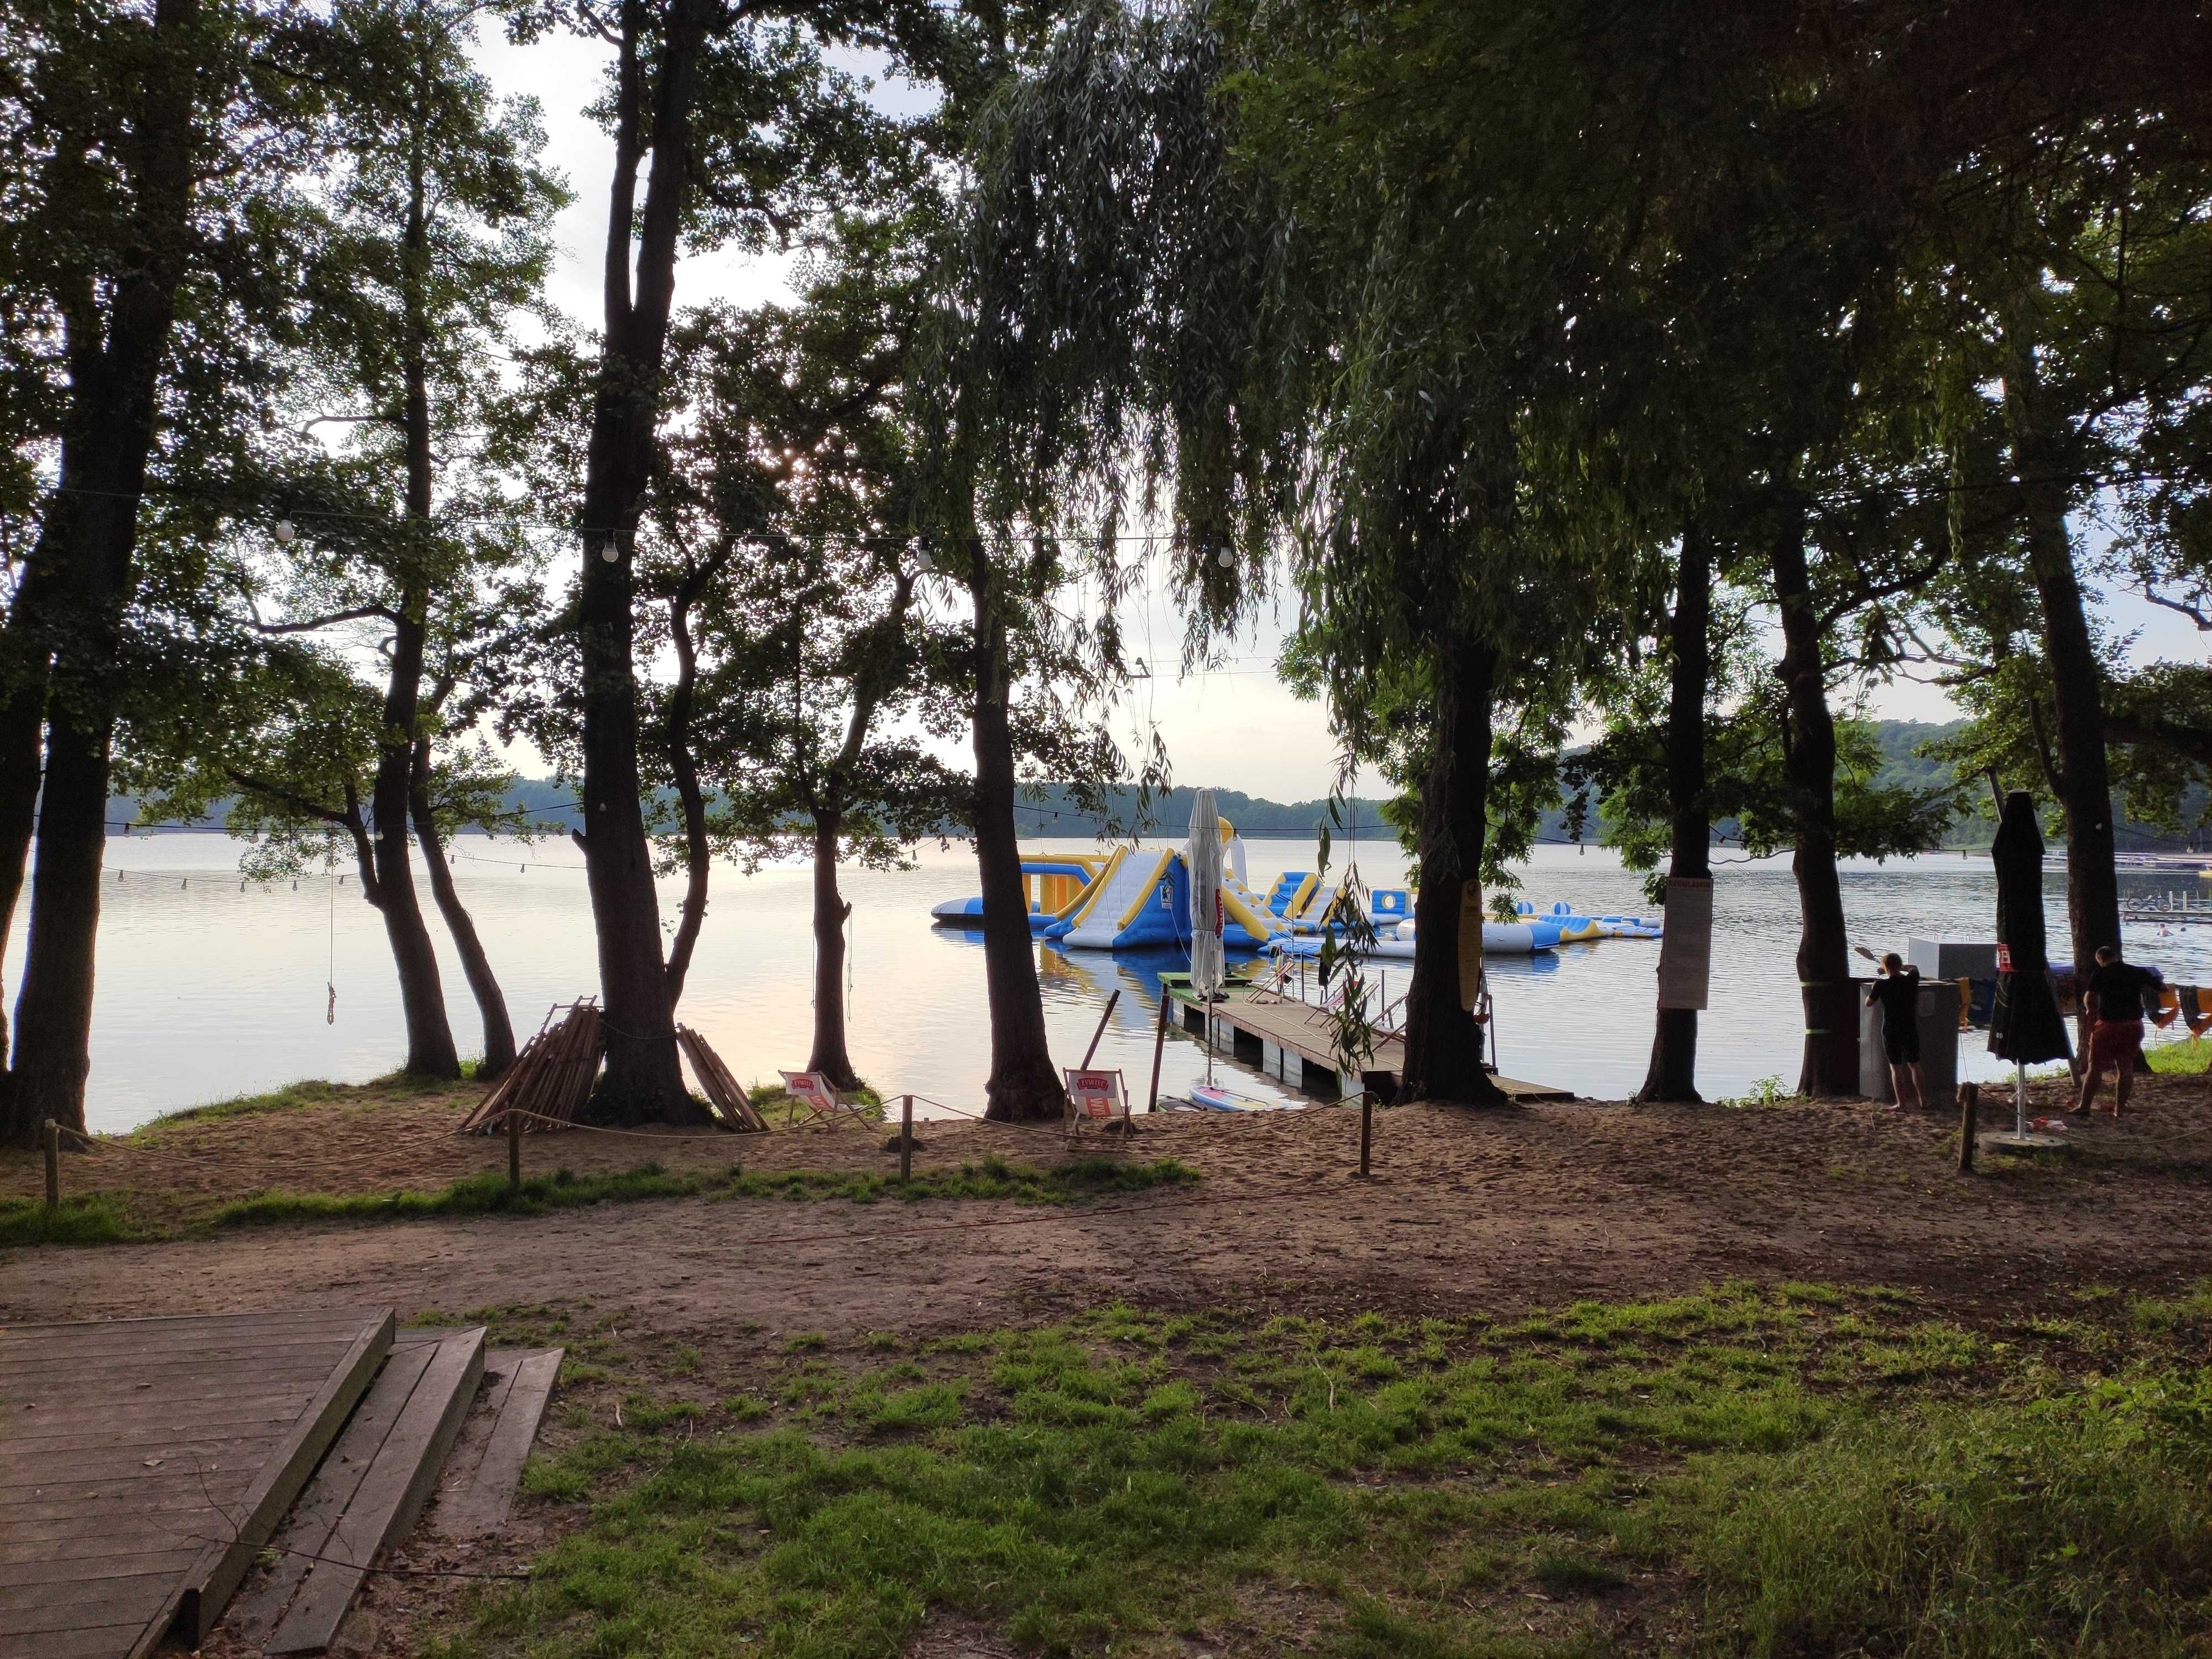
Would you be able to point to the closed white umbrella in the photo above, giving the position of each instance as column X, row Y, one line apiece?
column 1206, row 960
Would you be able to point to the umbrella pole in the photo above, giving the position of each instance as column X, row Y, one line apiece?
column 2020, row 1097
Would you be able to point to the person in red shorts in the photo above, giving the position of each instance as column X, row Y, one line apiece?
column 2116, row 994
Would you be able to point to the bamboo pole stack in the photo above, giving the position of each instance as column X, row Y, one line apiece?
column 724, row 1092
column 551, row 1079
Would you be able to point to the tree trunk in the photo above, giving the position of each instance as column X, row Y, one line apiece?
column 692, row 799
column 88, row 543
column 1830, row 1063
column 483, row 984
column 830, row 911
column 29, row 659
column 643, row 1081
column 430, row 1050
column 1024, row 1083
column 2085, row 787
column 1443, row 1042
column 1673, row 1074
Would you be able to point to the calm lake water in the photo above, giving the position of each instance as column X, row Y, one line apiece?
column 208, row 991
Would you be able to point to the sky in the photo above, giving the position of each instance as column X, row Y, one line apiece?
column 1235, row 728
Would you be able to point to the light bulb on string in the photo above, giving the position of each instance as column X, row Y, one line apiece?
column 1227, row 557
column 285, row 533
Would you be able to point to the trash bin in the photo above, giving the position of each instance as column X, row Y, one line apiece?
column 1939, row 1044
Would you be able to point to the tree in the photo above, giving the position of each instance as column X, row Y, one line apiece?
column 153, row 157
column 791, row 600
column 748, row 130
column 437, row 241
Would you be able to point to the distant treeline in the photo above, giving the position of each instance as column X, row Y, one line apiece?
column 1051, row 809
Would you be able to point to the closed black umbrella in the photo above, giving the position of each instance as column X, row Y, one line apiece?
column 2025, row 1024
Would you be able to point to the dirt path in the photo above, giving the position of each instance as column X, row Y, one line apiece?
column 1469, row 1211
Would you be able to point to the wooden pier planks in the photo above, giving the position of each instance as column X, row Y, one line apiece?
column 368, row 1492
column 112, row 1537
column 1300, row 1029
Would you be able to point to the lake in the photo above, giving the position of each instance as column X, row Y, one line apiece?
column 208, row 990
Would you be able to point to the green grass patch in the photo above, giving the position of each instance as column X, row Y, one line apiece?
column 2186, row 1058
column 491, row 1194
column 394, row 1089
column 1797, row 1472
column 97, row 1219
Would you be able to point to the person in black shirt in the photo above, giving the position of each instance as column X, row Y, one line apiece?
column 2117, row 995
column 1897, row 993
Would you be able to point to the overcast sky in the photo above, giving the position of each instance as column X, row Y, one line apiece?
column 1235, row 728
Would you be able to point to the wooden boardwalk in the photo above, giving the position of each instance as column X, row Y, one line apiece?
column 143, row 1462
column 1303, row 1044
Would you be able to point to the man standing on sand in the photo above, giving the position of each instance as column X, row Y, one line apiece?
column 2116, row 994
column 1897, row 993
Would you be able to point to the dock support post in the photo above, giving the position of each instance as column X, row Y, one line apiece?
column 1970, row 1124
column 1159, row 1042
column 906, row 1137
column 1366, row 1130
column 1097, row 1034
column 513, row 1151
column 50, row 1137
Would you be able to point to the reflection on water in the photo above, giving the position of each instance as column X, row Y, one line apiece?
column 206, row 990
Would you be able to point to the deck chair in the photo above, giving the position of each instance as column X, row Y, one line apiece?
column 1099, row 1097
column 823, row 1103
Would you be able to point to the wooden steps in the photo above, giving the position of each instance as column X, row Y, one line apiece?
column 369, row 1492
column 484, row 1467
column 145, row 1462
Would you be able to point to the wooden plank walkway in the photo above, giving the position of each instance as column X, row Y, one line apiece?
column 144, row 1461
column 1302, row 1031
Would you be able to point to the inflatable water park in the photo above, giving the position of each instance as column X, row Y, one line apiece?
column 1135, row 898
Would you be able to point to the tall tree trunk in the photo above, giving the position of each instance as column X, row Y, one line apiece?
column 1830, row 1063
column 2085, row 785
column 483, row 984
column 1673, row 1074
column 430, row 1050
column 1443, row 1042
column 690, row 797
column 643, row 1081
column 88, row 543
column 1024, row 1084
column 830, row 911
column 29, row 656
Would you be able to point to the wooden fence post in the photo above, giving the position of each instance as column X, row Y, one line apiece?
column 906, row 1137
column 1159, row 1042
column 513, row 1151
column 1970, row 1114
column 50, row 1137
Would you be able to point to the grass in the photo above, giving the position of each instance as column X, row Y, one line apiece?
column 1785, row 1473
column 490, row 1194
column 2185, row 1058
column 394, row 1089
column 95, row 1219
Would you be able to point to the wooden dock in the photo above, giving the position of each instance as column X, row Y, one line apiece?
column 144, row 1461
column 1294, row 1043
